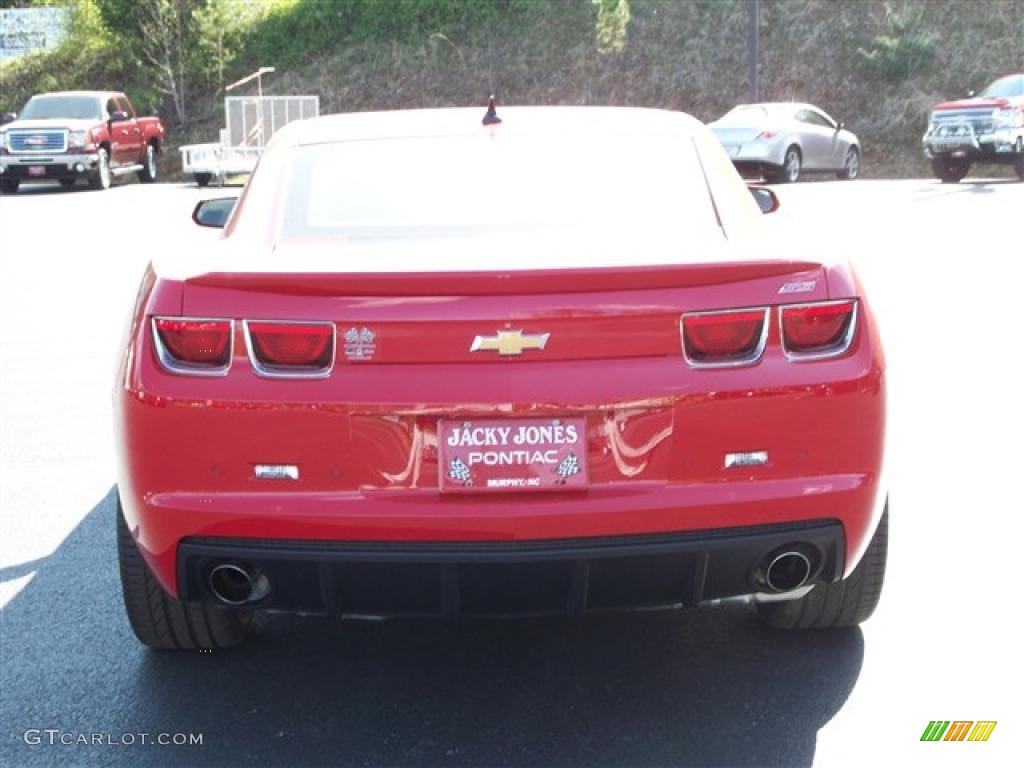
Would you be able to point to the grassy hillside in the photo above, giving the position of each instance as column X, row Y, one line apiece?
column 876, row 65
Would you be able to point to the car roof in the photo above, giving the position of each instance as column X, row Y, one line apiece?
column 93, row 94
column 792, row 105
column 438, row 123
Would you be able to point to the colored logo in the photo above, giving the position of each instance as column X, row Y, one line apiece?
column 510, row 342
column 360, row 344
column 958, row 730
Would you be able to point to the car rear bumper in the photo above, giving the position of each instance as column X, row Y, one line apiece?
column 70, row 166
column 754, row 152
column 564, row 576
column 365, row 461
column 175, row 528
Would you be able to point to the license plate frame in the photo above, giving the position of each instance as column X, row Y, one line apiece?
column 530, row 454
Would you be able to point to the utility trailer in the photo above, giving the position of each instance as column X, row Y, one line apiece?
column 250, row 122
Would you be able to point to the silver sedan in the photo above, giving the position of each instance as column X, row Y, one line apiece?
column 781, row 141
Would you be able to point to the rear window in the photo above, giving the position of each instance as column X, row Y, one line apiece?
column 411, row 185
column 751, row 115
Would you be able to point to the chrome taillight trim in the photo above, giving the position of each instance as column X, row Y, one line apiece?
column 835, row 350
column 173, row 365
column 287, row 372
column 752, row 359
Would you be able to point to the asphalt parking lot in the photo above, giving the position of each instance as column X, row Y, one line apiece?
column 944, row 267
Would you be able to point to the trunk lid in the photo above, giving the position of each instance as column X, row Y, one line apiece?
column 737, row 134
column 387, row 312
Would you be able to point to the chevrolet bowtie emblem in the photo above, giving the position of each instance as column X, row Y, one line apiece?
column 510, row 342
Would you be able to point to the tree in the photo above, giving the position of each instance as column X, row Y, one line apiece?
column 612, row 22
column 162, row 33
column 220, row 28
column 166, row 31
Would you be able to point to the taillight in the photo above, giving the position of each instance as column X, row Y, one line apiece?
column 732, row 337
column 818, row 330
column 193, row 345
column 291, row 349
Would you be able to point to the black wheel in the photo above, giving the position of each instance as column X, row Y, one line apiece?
column 843, row 604
column 203, row 179
column 851, row 168
column 67, row 183
column 149, row 170
column 950, row 170
column 791, row 165
column 100, row 178
column 161, row 621
column 9, row 186
column 1018, row 161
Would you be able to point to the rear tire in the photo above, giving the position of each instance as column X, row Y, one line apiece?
column 203, row 179
column 789, row 172
column 9, row 186
column 149, row 169
column 851, row 168
column 1018, row 161
column 950, row 170
column 843, row 604
column 163, row 622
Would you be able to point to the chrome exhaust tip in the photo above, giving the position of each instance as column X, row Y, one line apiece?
column 787, row 571
column 233, row 584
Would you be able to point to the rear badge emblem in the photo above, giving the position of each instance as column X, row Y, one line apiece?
column 802, row 287
column 510, row 342
column 360, row 344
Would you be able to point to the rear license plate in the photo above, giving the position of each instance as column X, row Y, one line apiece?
column 511, row 455
column 37, row 170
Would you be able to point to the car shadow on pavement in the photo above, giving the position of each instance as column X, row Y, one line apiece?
column 936, row 189
column 48, row 188
column 703, row 687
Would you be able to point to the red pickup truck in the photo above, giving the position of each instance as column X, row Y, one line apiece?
column 71, row 135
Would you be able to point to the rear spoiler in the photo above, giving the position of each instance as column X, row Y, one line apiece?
column 498, row 282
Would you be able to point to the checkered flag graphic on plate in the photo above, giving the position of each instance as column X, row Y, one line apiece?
column 570, row 466
column 457, row 470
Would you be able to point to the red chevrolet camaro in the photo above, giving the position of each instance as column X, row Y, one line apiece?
column 551, row 363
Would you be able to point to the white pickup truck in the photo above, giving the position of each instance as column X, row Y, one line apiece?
column 988, row 128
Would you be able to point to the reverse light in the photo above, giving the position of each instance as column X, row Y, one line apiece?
column 813, row 331
column 290, row 349
column 727, row 338
column 196, row 346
